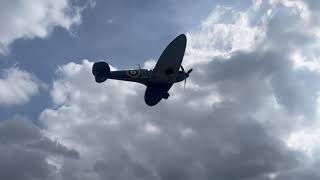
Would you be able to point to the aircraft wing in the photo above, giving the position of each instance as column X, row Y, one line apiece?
column 154, row 93
column 170, row 60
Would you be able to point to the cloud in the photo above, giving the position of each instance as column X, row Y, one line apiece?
column 27, row 153
column 244, row 102
column 117, row 140
column 17, row 86
column 30, row 19
column 235, row 33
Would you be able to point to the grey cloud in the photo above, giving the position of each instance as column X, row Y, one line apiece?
column 20, row 164
column 309, row 171
column 24, row 150
column 54, row 147
column 18, row 131
column 253, row 76
column 269, row 67
column 221, row 152
column 226, row 142
column 25, row 134
column 314, row 7
column 284, row 30
column 122, row 167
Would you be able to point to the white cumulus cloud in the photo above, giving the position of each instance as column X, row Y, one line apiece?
column 34, row 18
column 17, row 86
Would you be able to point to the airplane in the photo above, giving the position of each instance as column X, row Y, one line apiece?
column 159, row 80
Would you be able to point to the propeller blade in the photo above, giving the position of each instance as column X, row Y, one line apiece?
column 183, row 69
column 185, row 82
column 189, row 71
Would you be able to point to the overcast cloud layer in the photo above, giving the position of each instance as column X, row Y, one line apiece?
column 250, row 109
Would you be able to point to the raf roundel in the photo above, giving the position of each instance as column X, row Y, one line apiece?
column 133, row 73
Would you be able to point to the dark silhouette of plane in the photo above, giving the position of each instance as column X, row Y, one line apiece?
column 159, row 80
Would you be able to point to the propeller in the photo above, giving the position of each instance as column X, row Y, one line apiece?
column 187, row 75
column 190, row 70
column 183, row 69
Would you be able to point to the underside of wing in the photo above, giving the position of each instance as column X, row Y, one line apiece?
column 154, row 93
column 170, row 60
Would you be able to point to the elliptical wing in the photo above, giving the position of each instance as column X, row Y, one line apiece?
column 170, row 60
column 154, row 93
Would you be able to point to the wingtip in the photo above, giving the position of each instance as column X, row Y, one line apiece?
column 182, row 36
column 182, row 39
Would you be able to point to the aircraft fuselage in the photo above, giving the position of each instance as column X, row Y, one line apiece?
column 145, row 76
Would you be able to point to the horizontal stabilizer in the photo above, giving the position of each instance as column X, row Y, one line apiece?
column 101, row 71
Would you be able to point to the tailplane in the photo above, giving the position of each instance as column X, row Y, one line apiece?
column 101, row 71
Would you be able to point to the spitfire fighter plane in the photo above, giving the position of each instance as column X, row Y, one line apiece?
column 159, row 80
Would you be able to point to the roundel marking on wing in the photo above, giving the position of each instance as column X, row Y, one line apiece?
column 133, row 73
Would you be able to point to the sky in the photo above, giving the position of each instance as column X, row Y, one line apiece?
column 250, row 110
